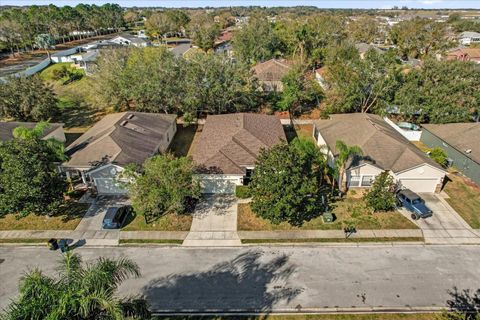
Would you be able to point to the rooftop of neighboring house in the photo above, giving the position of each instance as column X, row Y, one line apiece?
column 225, row 36
column 120, row 138
column 322, row 71
column 461, row 136
column 364, row 47
column 179, row 51
column 132, row 38
column 231, row 142
column 381, row 144
column 469, row 34
column 6, row 128
column 472, row 53
column 272, row 70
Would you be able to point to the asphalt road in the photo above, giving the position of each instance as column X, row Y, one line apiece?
column 303, row 278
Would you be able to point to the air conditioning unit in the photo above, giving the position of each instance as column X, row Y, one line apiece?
column 449, row 162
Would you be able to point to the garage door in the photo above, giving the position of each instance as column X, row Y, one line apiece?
column 420, row 185
column 108, row 186
column 217, row 186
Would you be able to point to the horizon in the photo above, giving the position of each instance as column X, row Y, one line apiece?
column 338, row 4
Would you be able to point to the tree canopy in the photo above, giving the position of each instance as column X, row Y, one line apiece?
column 287, row 184
column 381, row 196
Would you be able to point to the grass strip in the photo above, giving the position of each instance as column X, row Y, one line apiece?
column 24, row 240
column 340, row 240
column 157, row 241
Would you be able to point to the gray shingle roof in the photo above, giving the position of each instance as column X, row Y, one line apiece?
column 382, row 145
column 230, row 142
column 121, row 138
column 461, row 136
column 6, row 128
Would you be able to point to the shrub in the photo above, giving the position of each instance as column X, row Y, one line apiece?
column 243, row 192
column 381, row 196
column 439, row 156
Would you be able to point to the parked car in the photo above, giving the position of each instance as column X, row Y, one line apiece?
column 115, row 217
column 413, row 203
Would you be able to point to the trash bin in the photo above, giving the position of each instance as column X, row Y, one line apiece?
column 63, row 245
column 328, row 217
column 52, row 244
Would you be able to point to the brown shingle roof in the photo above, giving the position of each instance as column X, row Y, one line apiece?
column 381, row 144
column 121, row 138
column 230, row 142
column 461, row 136
column 272, row 70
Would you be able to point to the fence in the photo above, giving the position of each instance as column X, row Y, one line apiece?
column 29, row 71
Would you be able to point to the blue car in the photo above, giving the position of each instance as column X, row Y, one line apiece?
column 115, row 217
column 413, row 203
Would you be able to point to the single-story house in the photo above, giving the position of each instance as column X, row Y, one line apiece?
column 117, row 140
column 128, row 39
column 363, row 48
column 461, row 142
column 466, row 38
column 87, row 60
column 179, row 50
column 228, row 146
column 464, row 54
column 271, row 72
column 53, row 130
column 383, row 149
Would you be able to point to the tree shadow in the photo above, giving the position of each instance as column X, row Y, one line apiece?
column 466, row 302
column 245, row 283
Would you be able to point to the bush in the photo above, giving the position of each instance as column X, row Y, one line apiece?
column 381, row 196
column 439, row 156
column 243, row 192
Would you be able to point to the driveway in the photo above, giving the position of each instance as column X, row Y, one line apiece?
column 446, row 225
column 214, row 222
column 92, row 220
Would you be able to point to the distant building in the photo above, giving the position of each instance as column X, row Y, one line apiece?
column 464, row 54
column 129, row 40
column 271, row 72
column 364, row 47
column 468, row 37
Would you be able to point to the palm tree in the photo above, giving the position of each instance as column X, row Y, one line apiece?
column 79, row 292
column 345, row 155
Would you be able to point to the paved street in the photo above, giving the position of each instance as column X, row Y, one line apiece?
column 277, row 278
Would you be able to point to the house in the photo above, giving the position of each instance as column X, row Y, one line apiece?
column 363, row 48
column 65, row 55
column 228, row 147
column 127, row 40
column 461, row 142
column 87, row 60
column 467, row 38
column 271, row 72
column 180, row 50
column 53, row 130
column 320, row 75
column 117, row 140
column 383, row 149
column 464, row 54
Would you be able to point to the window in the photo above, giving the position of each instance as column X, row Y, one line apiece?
column 354, row 181
column 367, row 181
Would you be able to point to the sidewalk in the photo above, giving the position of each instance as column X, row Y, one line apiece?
column 331, row 234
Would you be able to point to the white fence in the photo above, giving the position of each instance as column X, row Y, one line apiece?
column 411, row 135
column 29, row 71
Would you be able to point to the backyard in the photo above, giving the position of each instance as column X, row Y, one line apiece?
column 349, row 211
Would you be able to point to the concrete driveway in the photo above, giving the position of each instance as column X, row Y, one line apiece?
column 92, row 220
column 446, row 225
column 214, row 222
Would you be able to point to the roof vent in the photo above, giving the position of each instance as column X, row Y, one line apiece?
column 124, row 123
column 130, row 116
column 468, row 151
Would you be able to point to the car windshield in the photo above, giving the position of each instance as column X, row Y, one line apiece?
column 416, row 201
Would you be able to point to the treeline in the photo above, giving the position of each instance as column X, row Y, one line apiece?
column 20, row 26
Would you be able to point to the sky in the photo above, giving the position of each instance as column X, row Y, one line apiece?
column 363, row 4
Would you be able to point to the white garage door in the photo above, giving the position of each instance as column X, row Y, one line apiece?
column 217, row 186
column 108, row 186
column 420, row 185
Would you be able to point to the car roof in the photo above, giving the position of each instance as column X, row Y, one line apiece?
column 111, row 212
column 410, row 194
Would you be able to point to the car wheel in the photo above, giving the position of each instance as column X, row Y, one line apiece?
column 414, row 216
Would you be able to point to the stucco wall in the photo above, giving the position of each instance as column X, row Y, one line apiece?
column 460, row 160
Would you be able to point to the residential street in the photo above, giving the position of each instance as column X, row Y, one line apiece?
column 277, row 278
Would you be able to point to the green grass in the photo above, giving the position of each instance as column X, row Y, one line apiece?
column 167, row 222
column 330, row 240
column 464, row 198
column 152, row 241
column 349, row 211
column 303, row 131
column 67, row 219
column 376, row 316
column 183, row 140
column 22, row 240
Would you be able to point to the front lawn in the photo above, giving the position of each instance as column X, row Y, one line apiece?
column 349, row 211
column 167, row 222
column 464, row 198
column 67, row 219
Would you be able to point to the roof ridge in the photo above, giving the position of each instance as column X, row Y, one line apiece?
column 237, row 141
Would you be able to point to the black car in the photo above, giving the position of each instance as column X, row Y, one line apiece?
column 115, row 217
column 413, row 203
